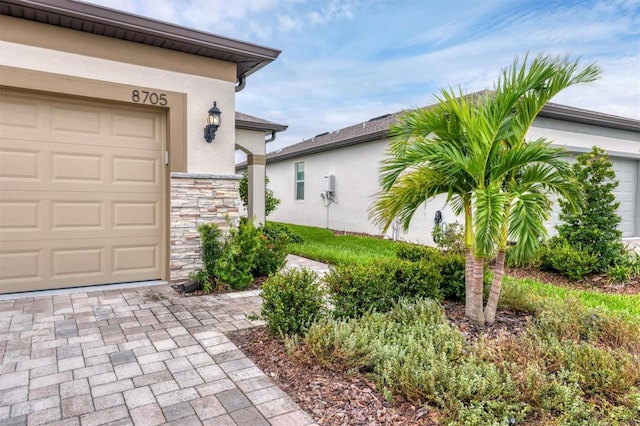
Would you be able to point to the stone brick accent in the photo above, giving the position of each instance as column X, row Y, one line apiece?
column 197, row 199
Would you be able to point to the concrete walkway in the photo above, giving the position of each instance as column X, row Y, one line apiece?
column 136, row 356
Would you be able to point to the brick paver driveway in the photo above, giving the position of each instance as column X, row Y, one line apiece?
column 142, row 356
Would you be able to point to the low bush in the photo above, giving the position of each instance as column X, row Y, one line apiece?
column 357, row 289
column 571, row 261
column 292, row 301
column 238, row 255
column 452, row 270
column 271, row 250
column 449, row 238
column 416, row 252
column 232, row 261
column 412, row 350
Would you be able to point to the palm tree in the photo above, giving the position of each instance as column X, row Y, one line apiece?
column 528, row 171
column 430, row 156
column 473, row 149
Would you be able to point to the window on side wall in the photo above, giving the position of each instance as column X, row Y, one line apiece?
column 300, row 181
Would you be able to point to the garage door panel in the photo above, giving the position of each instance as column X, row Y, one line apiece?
column 18, row 164
column 135, row 214
column 45, row 118
column 81, row 262
column 81, row 193
column 143, row 171
column 65, row 119
column 78, row 215
column 20, row 265
column 59, row 167
column 77, row 168
column 626, row 173
column 138, row 257
column 20, row 215
column 18, row 114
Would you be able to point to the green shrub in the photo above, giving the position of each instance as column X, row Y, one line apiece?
column 570, row 260
column 416, row 252
column 418, row 279
column 451, row 266
column 412, row 350
column 271, row 250
column 594, row 227
column 357, row 289
column 238, row 255
column 449, row 238
column 292, row 301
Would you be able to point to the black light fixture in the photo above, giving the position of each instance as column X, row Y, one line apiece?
column 213, row 122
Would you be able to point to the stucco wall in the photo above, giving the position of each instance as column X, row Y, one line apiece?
column 217, row 157
column 356, row 182
column 356, row 176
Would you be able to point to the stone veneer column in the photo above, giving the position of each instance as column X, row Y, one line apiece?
column 197, row 199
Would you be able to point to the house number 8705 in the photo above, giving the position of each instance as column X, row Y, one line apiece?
column 152, row 98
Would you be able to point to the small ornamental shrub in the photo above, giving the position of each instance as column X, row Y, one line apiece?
column 292, row 301
column 449, row 238
column 356, row 289
column 238, row 255
column 271, row 251
column 594, row 227
column 451, row 266
column 571, row 261
column 416, row 252
column 418, row 279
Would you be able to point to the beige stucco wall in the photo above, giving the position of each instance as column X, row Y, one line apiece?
column 201, row 91
column 356, row 176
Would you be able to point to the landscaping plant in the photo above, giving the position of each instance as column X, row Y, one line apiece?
column 594, row 226
column 246, row 252
column 473, row 149
column 292, row 301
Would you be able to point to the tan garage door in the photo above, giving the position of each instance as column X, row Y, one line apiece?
column 81, row 192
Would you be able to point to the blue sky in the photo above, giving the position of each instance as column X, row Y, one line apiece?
column 346, row 61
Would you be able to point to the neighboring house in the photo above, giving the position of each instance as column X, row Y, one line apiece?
column 330, row 180
column 104, row 171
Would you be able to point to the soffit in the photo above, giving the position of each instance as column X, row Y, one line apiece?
column 119, row 25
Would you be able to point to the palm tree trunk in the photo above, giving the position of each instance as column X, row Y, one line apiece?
column 468, row 282
column 496, row 287
column 469, row 260
column 498, row 271
column 477, row 315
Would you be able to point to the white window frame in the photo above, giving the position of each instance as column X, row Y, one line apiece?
column 298, row 181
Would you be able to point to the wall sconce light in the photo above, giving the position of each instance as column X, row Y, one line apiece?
column 213, row 122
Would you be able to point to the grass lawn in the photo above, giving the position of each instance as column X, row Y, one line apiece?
column 322, row 245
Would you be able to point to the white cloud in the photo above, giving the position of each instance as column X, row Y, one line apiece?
column 345, row 61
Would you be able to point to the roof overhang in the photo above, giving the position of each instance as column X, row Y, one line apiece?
column 584, row 116
column 107, row 22
column 248, row 122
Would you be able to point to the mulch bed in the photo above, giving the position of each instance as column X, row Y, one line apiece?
column 336, row 398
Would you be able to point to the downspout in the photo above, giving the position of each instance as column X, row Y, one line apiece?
column 272, row 138
column 242, row 81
